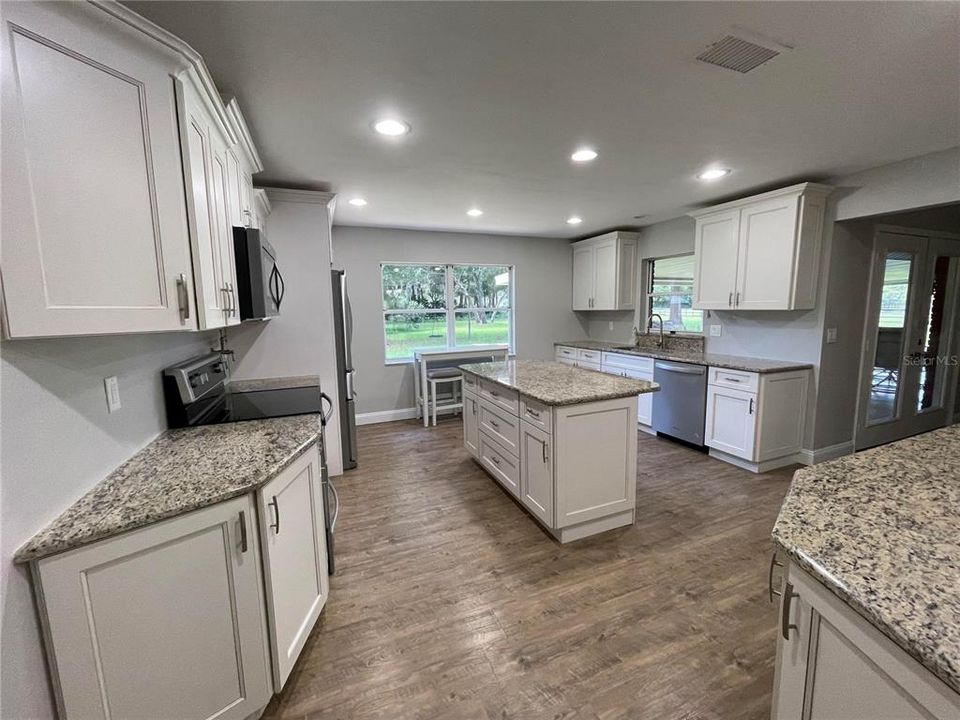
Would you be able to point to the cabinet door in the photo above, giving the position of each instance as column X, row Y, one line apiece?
column 792, row 652
column 235, row 178
column 583, row 277
column 248, row 214
column 205, row 232
column 93, row 213
column 536, row 473
column 645, row 402
column 295, row 559
column 731, row 425
column 715, row 250
column 767, row 254
column 471, row 426
column 605, row 275
column 163, row 622
column 221, row 196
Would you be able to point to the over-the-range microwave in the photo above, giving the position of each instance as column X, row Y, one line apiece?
column 260, row 286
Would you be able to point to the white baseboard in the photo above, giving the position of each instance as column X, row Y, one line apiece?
column 382, row 416
column 831, row 452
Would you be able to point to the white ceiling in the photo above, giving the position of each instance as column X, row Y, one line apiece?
column 500, row 94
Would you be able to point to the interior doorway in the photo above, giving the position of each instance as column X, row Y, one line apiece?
column 909, row 367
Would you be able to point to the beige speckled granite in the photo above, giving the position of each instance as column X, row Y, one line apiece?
column 730, row 362
column 881, row 530
column 181, row 470
column 276, row 383
column 556, row 384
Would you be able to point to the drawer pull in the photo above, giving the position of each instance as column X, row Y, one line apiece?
column 534, row 413
column 785, row 625
column 243, row 532
column 750, row 411
column 495, row 460
column 732, row 379
column 773, row 563
column 544, row 443
column 495, row 424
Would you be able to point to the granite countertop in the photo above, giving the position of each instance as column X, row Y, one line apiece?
column 730, row 362
column 881, row 530
column 556, row 384
column 181, row 470
column 275, row 383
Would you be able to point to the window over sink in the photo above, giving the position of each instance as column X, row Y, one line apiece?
column 669, row 293
column 445, row 305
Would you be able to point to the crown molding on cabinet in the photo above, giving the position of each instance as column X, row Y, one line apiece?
column 313, row 197
column 805, row 188
column 245, row 140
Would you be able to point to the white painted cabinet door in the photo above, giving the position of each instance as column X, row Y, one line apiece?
column 162, row 622
column 93, row 218
column 605, row 275
column 471, row 424
column 715, row 248
column 536, row 473
column 731, row 425
column 583, row 277
column 224, row 212
column 645, row 402
column 295, row 559
column 767, row 254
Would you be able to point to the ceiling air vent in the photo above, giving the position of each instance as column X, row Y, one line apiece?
column 737, row 54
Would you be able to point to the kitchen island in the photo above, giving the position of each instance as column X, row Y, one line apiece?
column 561, row 440
column 870, row 604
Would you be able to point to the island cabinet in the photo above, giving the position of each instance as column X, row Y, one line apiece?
column 761, row 252
column 573, row 467
column 832, row 663
column 163, row 622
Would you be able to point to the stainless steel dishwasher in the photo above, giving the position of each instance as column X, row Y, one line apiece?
column 680, row 408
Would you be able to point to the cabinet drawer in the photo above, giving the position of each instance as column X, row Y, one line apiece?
column 587, row 365
column 627, row 362
column 737, row 379
column 590, row 356
column 504, row 467
column 469, row 383
column 568, row 353
column 501, row 426
column 501, row 397
column 536, row 413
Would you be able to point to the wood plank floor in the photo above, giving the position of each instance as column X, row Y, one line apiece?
column 450, row 602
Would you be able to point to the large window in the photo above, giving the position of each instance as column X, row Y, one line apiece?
column 427, row 306
column 670, row 294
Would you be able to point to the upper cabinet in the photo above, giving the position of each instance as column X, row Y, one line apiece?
column 94, row 222
column 762, row 252
column 605, row 272
column 124, row 174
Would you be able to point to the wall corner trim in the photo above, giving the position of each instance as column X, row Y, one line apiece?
column 831, row 452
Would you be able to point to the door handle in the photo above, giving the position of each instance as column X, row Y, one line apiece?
column 276, row 513
column 730, row 299
column 773, row 563
column 243, row 532
column 183, row 297
column 736, row 300
column 544, row 443
column 750, row 410
column 785, row 625
column 336, row 512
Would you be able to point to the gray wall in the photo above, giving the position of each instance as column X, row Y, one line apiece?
column 543, row 296
column 58, row 440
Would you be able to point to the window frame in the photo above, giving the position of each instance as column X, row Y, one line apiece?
column 648, row 294
column 449, row 308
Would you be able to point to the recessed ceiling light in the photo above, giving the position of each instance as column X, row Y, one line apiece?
column 391, row 127
column 358, row 201
column 574, row 220
column 584, row 155
column 474, row 212
column 713, row 174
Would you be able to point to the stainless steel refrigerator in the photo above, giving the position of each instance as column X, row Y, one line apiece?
column 343, row 329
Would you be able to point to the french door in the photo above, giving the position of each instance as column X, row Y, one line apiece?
column 909, row 371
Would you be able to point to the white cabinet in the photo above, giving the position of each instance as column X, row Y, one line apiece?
column 93, row 218
column 536, row 472
column 565, row 355
column 294, row 558
column 762, row 252
column 605, row 272
column 756, row 419
column 471, row 424
column 831, row 663
column 638, row 368
column 166, row 621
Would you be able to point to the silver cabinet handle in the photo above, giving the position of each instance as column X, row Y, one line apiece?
column 243, row 532
column 233, row 299
column 473, row 404
column 544, row 443
column 773, row 563
column 736, row 301
column 495, row 460
column 495, row 424
column 785, row 625
column 750, row 410
column 276, row 512
column 183, row 296
column 534, row 413
column 730, row 299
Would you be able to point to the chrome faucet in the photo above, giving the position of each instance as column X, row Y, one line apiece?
column 650, row 322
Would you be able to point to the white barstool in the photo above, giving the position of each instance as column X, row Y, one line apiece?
column 438, row 377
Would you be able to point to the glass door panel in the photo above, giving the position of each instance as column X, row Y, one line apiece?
column 890, row 340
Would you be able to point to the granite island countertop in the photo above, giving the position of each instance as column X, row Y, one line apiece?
column 730, row 362
column 556, row 384
column 881, row 530
column 180, row 471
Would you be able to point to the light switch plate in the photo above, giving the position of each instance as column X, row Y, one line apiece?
column 716, row 330
column 831, row 335
column 112, row 387
column 610, row 325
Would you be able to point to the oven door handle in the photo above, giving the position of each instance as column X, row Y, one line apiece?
column 325, row 416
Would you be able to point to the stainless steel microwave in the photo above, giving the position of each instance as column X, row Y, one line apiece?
column 260, row 286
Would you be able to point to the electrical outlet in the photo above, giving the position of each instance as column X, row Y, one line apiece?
column 831, row 335
column 716, row 330
column 112, row 387
column 610, row 325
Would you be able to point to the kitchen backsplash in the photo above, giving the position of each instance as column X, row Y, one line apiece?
column 680, row 343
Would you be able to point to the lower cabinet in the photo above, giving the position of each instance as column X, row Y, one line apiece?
column 831, row 663
column 638, row 368
column 294, row 559
column 504, row 466
column 471, row 426
column 162, row 622
column 536, row 472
